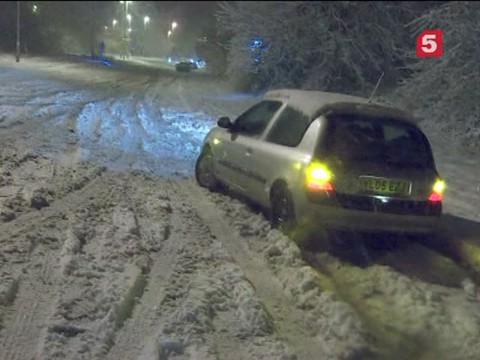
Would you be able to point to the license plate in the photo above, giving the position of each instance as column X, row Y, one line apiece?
column 385, row 186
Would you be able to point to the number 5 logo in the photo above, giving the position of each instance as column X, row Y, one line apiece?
column 430, row 43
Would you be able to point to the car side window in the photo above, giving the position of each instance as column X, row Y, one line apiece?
column 289, row 128
column 255, row 120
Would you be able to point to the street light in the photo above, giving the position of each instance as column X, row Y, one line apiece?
column 146, row 20
column 126, row 5
column 114, row 22
column 169, row 33
column 125, row 29
column 17, row 54
column 174, row 25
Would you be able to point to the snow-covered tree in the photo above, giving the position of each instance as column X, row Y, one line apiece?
column 447, row 89
column 329, row 45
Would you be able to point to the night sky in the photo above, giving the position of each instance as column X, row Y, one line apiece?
column 192, row 14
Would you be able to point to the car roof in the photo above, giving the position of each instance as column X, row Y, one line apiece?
column 314, row 103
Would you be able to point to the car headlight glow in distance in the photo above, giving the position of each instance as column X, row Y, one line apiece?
column 318, row 177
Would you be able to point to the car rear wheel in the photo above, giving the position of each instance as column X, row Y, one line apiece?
column 204, row 171
column 283, row 218
column 282, row 214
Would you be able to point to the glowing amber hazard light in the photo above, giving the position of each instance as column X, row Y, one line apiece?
column 318, row 177
column 438, row 190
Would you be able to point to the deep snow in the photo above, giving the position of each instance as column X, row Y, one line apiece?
column 110, row 250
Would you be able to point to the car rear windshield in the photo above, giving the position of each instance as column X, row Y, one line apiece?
column 355, row 137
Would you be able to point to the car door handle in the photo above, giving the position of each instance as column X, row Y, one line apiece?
column 249, row 152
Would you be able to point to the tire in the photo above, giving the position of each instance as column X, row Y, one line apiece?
column 283, row 218
column 337, row 241
column 204, row 171
column 282, row 213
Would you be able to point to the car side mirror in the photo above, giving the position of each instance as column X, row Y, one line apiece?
column 224, row 122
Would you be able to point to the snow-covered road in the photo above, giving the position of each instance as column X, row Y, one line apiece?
column 109, row 250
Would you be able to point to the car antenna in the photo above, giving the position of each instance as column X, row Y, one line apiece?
column 375, row 88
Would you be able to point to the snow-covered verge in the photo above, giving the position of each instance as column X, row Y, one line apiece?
column 409, row 303
column 106, row 253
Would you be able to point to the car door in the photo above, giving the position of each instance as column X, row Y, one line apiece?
column 278, row 153
column 244, row 137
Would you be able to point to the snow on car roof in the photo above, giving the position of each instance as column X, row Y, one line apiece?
column 311, row 102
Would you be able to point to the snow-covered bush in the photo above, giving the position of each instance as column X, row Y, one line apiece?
column 445, row 91
column 330, row 45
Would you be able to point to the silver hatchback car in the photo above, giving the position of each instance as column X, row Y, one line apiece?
column 330, row 160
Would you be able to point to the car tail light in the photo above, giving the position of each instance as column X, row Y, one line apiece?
column 318, row 177
column 438, row 189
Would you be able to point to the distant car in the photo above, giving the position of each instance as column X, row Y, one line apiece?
column 328, row 160
column 194, row 65
column 185, row 66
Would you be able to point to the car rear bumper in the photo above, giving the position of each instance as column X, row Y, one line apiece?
column 366, row 219
column 354, row 220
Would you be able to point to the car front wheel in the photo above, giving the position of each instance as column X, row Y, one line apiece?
column 204, row 171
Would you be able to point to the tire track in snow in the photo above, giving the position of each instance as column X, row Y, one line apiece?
column 30, row 221
column 103, row 272
column 289, row 322
column 26, row 319
column 425, row 278
column 406, row 305
column 39, row 182
column 193, row 288
column 140, row 330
